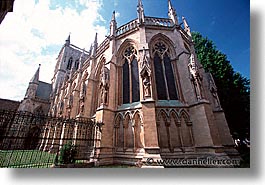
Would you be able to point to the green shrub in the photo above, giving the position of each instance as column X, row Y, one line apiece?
column 67, row 154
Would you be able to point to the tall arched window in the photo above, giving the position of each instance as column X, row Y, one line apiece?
column 164, row 75
column 76, row 64
column 70, row 62
column 130, row 74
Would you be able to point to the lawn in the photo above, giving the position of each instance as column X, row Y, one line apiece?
column 26, row 159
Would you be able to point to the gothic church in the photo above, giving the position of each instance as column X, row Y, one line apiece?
column 145, row 83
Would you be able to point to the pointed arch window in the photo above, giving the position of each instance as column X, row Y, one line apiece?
column 130, row 74
column 76, row 64
column 69, row 64
column 164, row 74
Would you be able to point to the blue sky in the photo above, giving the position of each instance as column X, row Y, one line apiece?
column 36, row 30
column 226, row 22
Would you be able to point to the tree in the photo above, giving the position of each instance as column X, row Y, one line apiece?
column 233, row 88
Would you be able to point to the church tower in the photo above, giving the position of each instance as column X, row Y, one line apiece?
column 37, row 96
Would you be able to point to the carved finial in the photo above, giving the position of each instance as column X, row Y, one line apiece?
column 172, row 14
column 113, row 16
column 95, row 45
column 186, row 26
column 68, row 40
column 140, row 12
column 113, row 25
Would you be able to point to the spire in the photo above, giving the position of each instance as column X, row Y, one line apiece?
column 35, row 78
column 67, row 41
column 113, row 25
column 186, row 26
column 95, row 46
column 172, row 14
column 140, row 12
column 96, row 39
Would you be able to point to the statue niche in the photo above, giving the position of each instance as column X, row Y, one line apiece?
column 104, row 86
column 213, row 90
column 146, row 75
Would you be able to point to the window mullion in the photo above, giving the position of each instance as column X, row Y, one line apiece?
column 130, row 79
column 164, row 75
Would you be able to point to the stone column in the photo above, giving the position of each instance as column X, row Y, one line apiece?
column 106, row 141
column 151, row 144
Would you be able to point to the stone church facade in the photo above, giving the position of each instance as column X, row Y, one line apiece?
column 145, row 83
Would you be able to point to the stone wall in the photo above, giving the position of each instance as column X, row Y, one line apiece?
column 9, row 104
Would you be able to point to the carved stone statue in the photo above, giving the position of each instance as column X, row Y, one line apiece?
column 147, row 84
column 195, row 77
column 213, row 90
column 81, row 107
column 61, row 107
column 54, row 110
column 145, row 74
column 82, row 98
column 145, row 61
column 83, row 90
column 70, row 101
column 104, row 86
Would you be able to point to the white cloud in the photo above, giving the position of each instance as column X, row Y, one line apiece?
column 30, row 29
column 116, row 3
column 117, row 14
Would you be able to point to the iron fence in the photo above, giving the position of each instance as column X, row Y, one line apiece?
column 29, row 140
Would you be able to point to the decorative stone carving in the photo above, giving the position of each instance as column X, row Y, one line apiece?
column 140, row 12
column 213, row 90
column 161, row 48
column 147, row 86
column 145, row 60
column 61, row 107
column 70, row 101
column 83, row 90
column 104, row 86
column 82, row 98
column 195, row 77
column 130, row 53
column 146, row 75
column 81, row 107
column 54, row 110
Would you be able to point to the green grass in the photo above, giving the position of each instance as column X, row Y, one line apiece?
column 25, row 159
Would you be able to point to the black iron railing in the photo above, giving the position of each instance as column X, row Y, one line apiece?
column 28, row 140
